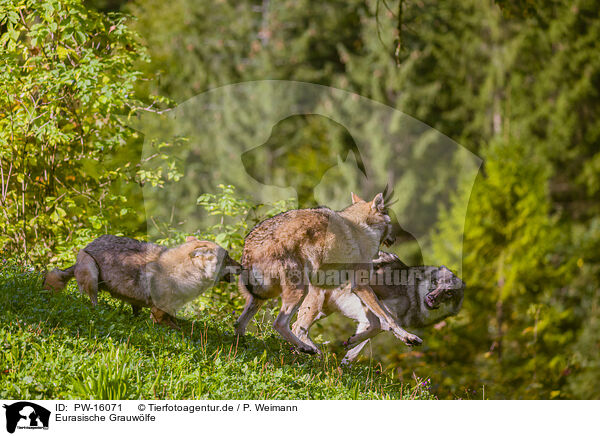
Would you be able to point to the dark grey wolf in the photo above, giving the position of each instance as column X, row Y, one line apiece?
column 280, row 252
column 414, row 296
column 145, row 274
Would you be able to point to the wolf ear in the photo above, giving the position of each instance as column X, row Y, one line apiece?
column 377, row 203
column 190, row 238
column 355, row 198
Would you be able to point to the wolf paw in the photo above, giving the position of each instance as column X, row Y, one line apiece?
column 309, row 350
column 238, row 330
column 411, row 340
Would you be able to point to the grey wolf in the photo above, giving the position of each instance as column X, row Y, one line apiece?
column 282, row 254
column 414, row 296
column 145, row 274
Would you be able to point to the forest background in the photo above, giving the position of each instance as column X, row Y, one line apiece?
column 516, row 83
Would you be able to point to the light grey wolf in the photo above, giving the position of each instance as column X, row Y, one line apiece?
column 414, row 296
column 145, row 274
column 283, row 254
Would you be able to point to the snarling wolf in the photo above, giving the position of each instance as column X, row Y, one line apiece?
column 145, row 274
column 414, row 296
column 283, row 254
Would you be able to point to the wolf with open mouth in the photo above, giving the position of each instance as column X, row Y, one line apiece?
column 414, row 296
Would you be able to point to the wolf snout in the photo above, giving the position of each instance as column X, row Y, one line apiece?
column 230, row 269
column 430, row 302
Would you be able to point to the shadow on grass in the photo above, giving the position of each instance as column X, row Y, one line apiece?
column 47, row 312
column 257, row 366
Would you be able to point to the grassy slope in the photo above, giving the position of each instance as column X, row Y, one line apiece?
column 58, row 346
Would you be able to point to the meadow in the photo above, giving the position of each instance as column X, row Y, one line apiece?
column 58, row 346
column 87, row 88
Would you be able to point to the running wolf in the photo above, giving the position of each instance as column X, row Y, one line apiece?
column 414, row 296
column 145, row 274
column 283, row 254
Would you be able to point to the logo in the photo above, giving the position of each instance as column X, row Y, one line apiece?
column 26, row 415
column 302, row 145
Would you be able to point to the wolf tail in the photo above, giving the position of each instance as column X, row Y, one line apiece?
column 57, row 279
column 246, row 285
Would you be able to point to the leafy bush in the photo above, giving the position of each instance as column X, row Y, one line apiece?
column 66, row 73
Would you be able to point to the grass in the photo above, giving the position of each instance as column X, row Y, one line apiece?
column 57, row 346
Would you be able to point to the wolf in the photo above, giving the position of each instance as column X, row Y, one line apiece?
column 145, row 274
column 414, row 296
column 283, row 254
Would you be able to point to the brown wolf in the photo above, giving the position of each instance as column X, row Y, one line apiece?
column 283, row 254
column 414, row 296
column 145, row 274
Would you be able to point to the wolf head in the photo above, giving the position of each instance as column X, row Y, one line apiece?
column 446, row 291
column 373, row 214
column 209, row 256
column 435, row 292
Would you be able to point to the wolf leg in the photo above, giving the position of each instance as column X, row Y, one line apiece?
column 368, row 297
column 364, row 332
column 162, row 317
column 86, row 274
column 291, row 299
column 310, row 310
column 252, row 305
column 250, row 309
column 352, row 353
column 366, row 329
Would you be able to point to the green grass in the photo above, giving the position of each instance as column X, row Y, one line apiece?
column 56, row 346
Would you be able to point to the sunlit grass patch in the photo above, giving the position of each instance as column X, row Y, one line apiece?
column 59, row 346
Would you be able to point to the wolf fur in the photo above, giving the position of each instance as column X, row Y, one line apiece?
column 414, row 296
column 280, row 252
column 145, row 274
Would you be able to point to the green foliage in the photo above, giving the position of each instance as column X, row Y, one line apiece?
column 236, row 216
column 516, row 313
column 225, row 205
column 66, row 72
column 112, row 376
column 517, row 82
column 197, row 46
column 58, row 346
